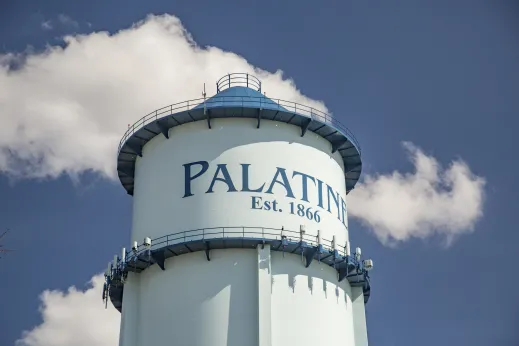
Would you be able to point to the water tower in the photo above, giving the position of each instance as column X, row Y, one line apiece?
column 240, row 232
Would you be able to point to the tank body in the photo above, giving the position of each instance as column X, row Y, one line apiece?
column 204, row 178
column 233, row 179
column 230, row 176
column 201, row 303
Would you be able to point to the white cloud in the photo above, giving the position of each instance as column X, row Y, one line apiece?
column 75, row 318
column 66, row 20
column 64, row 110
column 46, row 25
column 429, row 201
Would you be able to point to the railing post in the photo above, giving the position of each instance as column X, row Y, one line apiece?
column 167, row 240
column 247, row 80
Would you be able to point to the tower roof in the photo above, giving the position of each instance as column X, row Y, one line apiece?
column 238, row 95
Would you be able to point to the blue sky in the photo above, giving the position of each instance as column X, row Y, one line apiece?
column 440, row 74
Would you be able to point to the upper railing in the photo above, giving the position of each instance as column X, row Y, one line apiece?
column 238, row 79
column 245, row 101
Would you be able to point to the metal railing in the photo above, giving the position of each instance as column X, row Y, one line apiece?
column 245, row 101
column 348, row 267
column 242, row 232
column 238, row 79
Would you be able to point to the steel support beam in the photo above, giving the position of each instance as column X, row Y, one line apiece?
column 343, row 272
column 137, row 149
column 207, row 249
column 309, row 255
column 351, row 168
column 163, row 129
column 337, row 145
column 304, row 125
column 129, row 171
column 159, row 258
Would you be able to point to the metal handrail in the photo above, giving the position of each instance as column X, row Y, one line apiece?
column 293, row 107
column 347, row 267
column 238, row 79
column 209, row 233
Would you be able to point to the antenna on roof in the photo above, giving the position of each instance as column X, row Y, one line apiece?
column 204, row 94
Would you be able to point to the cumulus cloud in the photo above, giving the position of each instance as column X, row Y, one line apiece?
column 75, row 317
column 431, row 200
column 64, row 110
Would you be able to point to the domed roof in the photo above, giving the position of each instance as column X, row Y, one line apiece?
column 239, row 96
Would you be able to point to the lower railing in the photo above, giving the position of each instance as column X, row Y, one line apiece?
column 309, row 247
column 202, row 234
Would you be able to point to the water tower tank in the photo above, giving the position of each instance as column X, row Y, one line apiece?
column 240, row 232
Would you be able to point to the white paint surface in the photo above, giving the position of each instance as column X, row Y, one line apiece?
column 228, row 302
column 309, row 306
column 158, row 204
column 264, row 296
column 359, row 323
column 130, row 312
column 242, row 297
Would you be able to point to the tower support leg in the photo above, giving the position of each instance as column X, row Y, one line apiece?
column 264, row 295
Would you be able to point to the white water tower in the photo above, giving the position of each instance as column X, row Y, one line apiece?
column 240, row 233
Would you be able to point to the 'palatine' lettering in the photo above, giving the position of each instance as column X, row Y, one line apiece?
column 307, row 188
